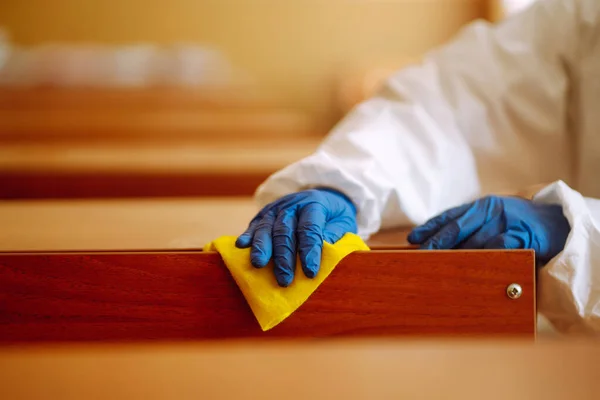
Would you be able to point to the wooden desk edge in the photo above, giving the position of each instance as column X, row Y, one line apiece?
column 378, row 250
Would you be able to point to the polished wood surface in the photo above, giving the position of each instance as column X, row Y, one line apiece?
column 173, row 98
column 167, row 114
column 217, row 155
column 127, row 224
column 489, row 370
column 48, row 185
column 162, row 278
column 146, row 142
column 210, row 168
column 33, row 125
column 190, row 295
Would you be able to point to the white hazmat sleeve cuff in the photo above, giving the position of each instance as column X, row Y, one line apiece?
column 569, row 285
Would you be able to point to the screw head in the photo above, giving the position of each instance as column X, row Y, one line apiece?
column 514, row 291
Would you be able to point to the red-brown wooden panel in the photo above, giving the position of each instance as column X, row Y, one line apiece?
column 190, row 295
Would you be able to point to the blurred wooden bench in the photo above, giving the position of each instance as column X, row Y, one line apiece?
column 209, row 168
column 134, row 114
column 81, row 143
column 132, row 270
column 365, row 369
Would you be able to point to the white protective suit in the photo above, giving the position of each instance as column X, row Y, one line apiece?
column 500, row 108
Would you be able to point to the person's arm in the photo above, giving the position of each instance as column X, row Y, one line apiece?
column 487, row 111
column 558, row 223
column 569, row 285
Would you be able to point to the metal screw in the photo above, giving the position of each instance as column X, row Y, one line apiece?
column 514, row 291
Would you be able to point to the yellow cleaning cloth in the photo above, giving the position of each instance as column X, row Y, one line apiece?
column 269, row 302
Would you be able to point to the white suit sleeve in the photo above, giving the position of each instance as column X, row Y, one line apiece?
column 485, row 104
column 569, row 285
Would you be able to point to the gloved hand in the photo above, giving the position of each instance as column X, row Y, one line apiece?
column 298, row 222
column 497, row 223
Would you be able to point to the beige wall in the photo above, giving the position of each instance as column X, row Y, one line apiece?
column 297, row 47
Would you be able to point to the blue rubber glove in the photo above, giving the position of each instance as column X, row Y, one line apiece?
column 298, row 222
column 497, row 223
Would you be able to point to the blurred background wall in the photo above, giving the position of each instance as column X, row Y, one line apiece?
column 141, row 98
column 301, row 49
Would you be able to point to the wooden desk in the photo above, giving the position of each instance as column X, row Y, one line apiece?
column 168, row 114
column 128, row 224
column 167, row 290
column 214, row 167
column 124, row 224
column 103, row 143
column 191, row 296
column 329, row 370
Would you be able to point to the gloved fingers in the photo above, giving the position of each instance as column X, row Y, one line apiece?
column 262, row 243
column 423, row 232
column 311, row 224
column 508, row 240
column 338, row 227
column 245, row 239
column 444, row 239
column 455, row 232
column 284, row 246
column 483, row 235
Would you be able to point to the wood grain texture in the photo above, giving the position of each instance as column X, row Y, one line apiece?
column 186, row 296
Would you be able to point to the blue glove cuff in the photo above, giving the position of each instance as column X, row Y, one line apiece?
column 340, row 195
